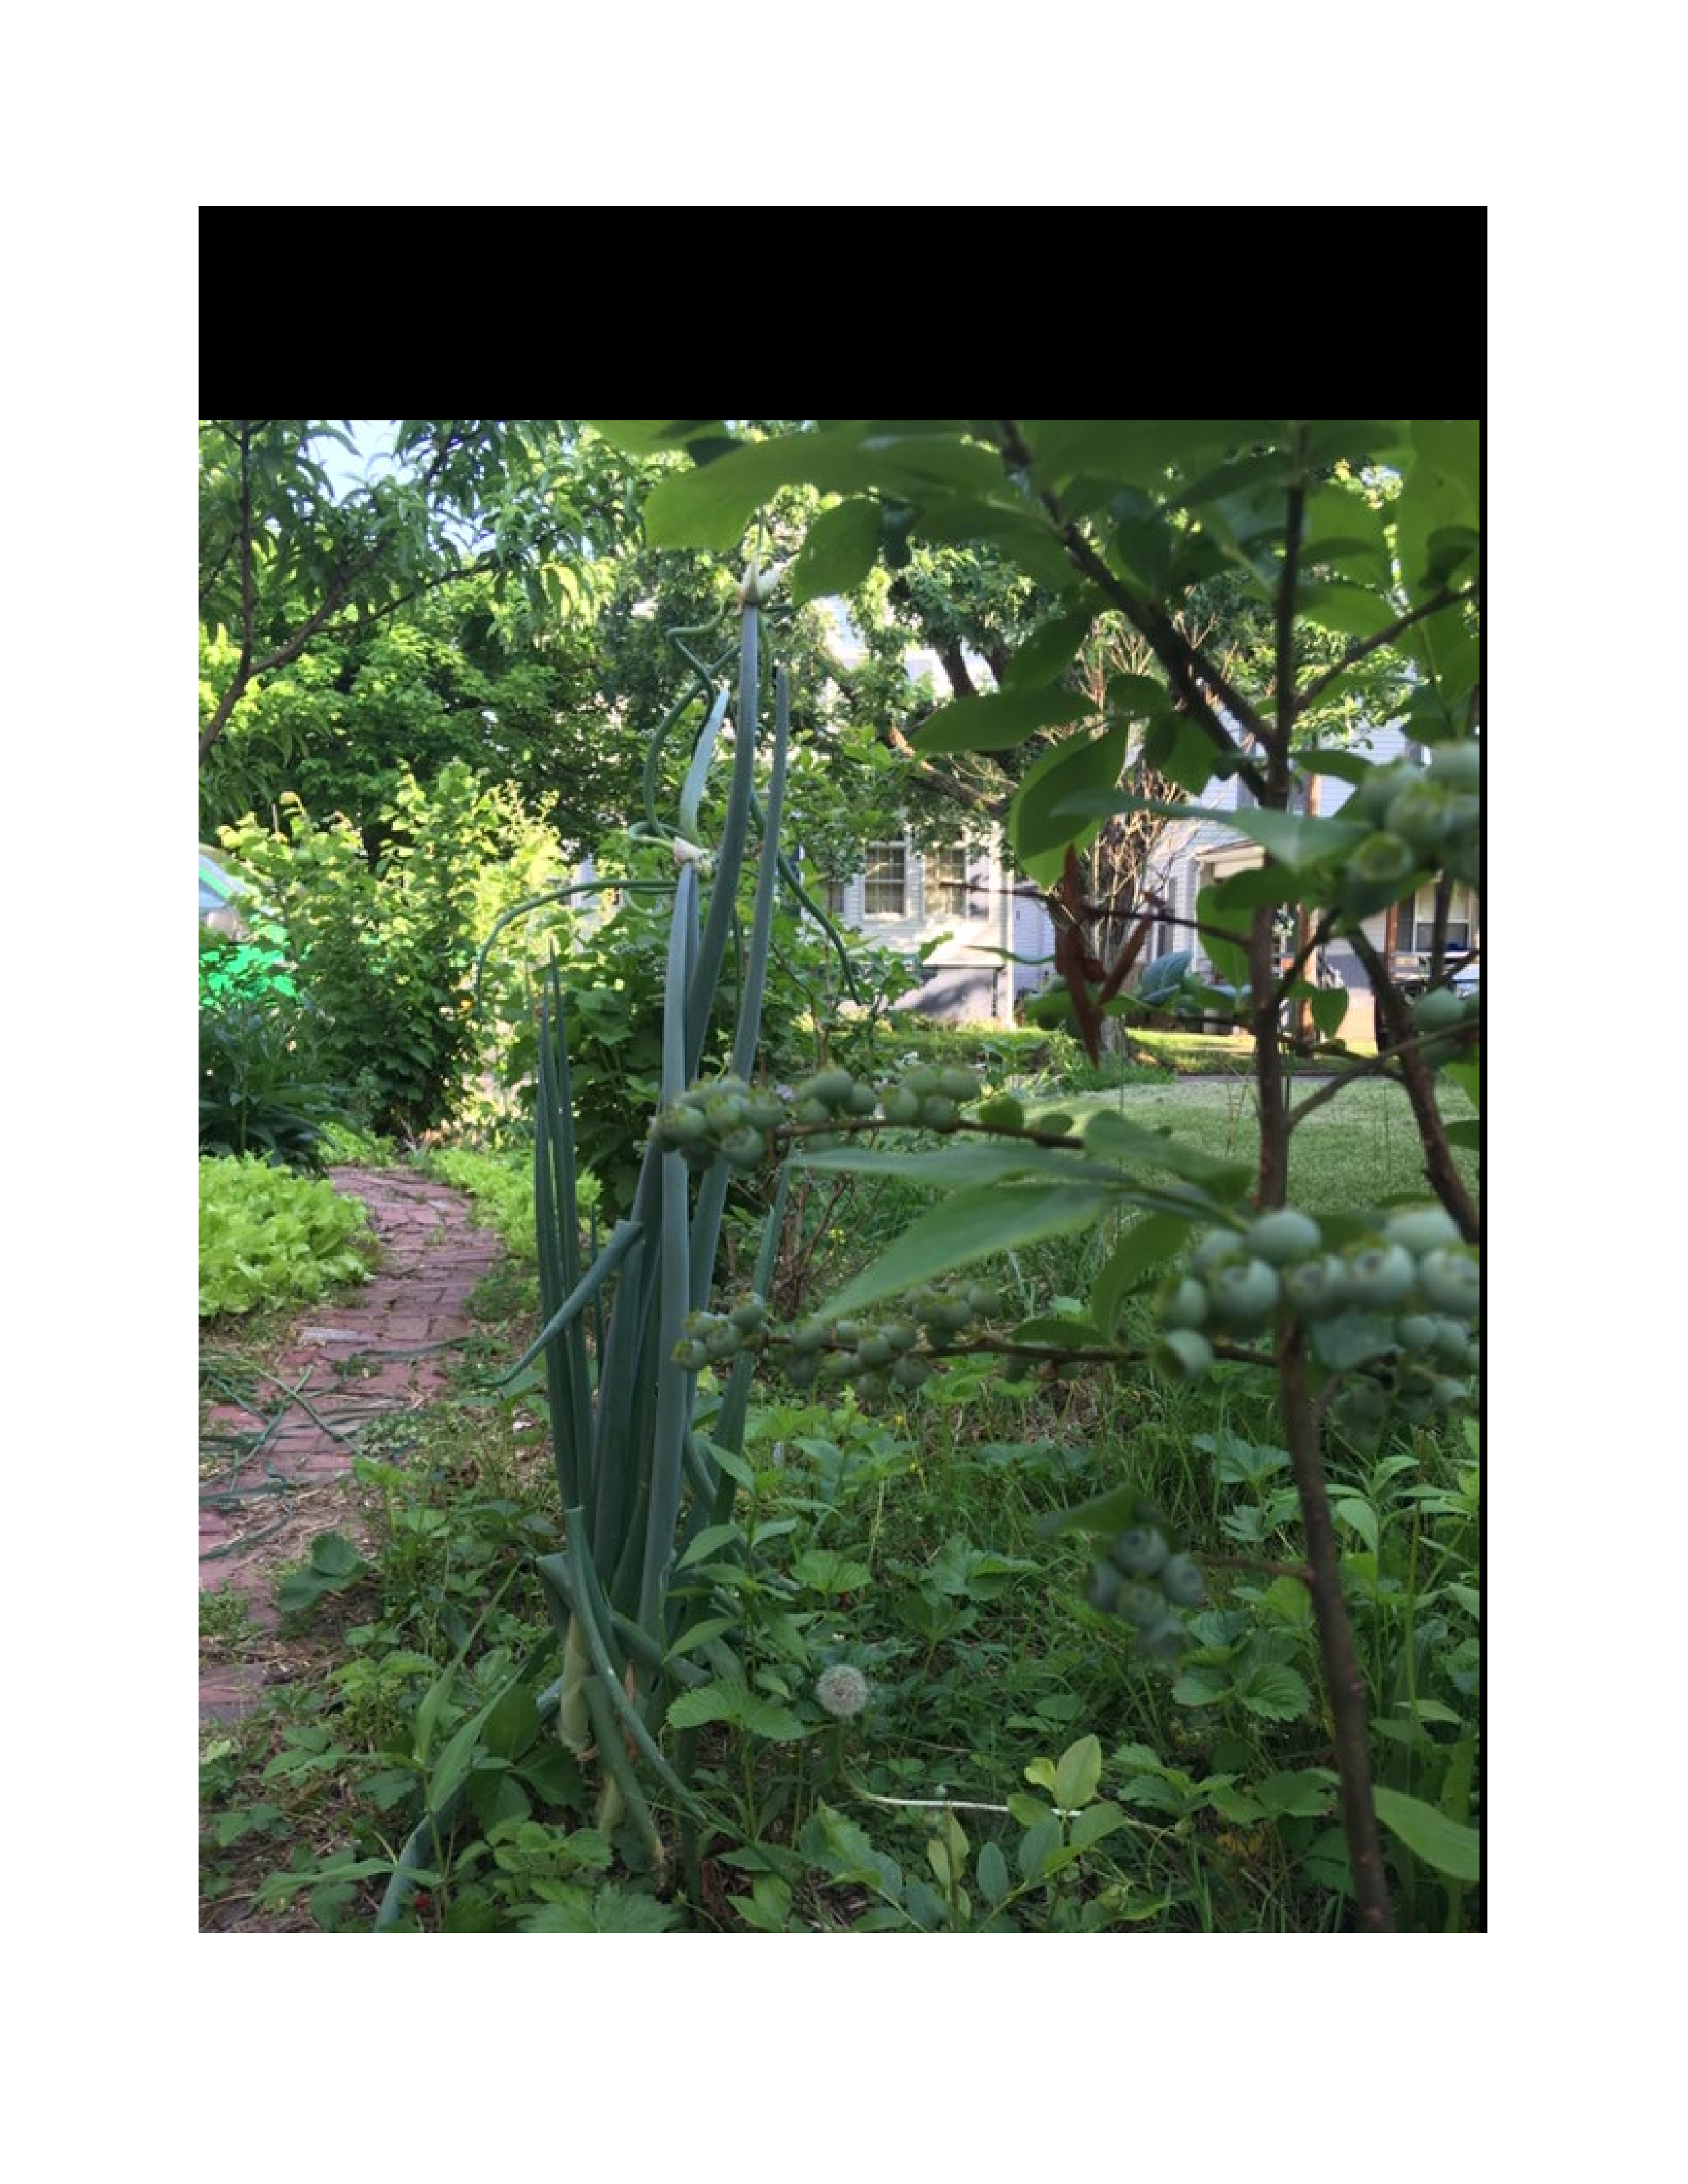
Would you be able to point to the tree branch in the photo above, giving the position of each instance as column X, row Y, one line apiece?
column 1322, row 683
column 1440, row 1172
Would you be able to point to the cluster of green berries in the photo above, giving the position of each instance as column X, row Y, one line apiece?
column 712, row 1338
column 878, row 1357
column 1420, row 818
column 724, row 1118
column 1146, row 1584
column 1415, row 1270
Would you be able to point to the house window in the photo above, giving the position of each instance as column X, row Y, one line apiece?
column 886, row 888
column 835, row 898
column 1460, row 928
column 947, row 892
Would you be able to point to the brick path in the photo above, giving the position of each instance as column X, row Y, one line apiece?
column 378, row 1351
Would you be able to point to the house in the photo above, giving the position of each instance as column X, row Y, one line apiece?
column 984, row 942
column 1195, row 854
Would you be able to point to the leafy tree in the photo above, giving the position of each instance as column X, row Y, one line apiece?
column 1364, row 533
column 288, row 556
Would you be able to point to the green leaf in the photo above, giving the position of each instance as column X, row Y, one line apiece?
column 1301, row 1794
column 1038, row 1846
column 973, row 1224
column 1350, row 609
column 1275, row 1692
column 725, row 1700
column 1077, row 1773
column 1229, row 958
column 1450, row 1845
column 822, row 1569
column 999, row 720
column 512, row 1722
column 1101, row 1516
column 841, row 549
column 1144, row 1245
column 1296, row 839
column 1361, row 1517
column 1094, row 1823
column 993, row 1875
column 1467, row 1133
column 1042, row 1771
column 1047, row 653
column 1178, row 746
column 1134, row 452
column 604, row 1909
column 1039, row 833
column 333, row 1555
column 1116, row 1139
column 1330, row 1009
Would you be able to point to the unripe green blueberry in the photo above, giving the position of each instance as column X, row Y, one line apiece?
column 810, row 1112
column 985, row 1299
column 831, row 1087
column 677, row 1126
column 901, row 1106
column 874, row 1349
column 748, row 1314
column 1216, row 1248
column 808, row 1336
column 1138, row 1551
column 1164, row 1639
column 1452, row 1281
column 1140, row 1602
column 1185, row 1305
column 861, row 1099
column 923, row 1080
column 1283, row 1235
column 1183, row 1353
column 1181, row 1581
column 1004, row 1112
column 1316, row 1288
column 1420, row 1229
column 952, row 1314
column 1453, row 1344
column 1425, row 813
column 938, row 1112
column 1459, row 765
column 910, row 1373
column 848, row 1332
column 1245, row 1292
column 724, row 1112
column 690, row 1355
column 1382, row 859
column 745, row 1147
column 902, row 1334
column 872, row 1387
column 959, row 1085
column 802, row 1371
column 1416, row 1332
column 840, row 1365
column 1440, row 1010
column 721, row 1341
column 1057, row 1124
column 1373, row 795
column 763, row 1111
column 1449, row 1394
column 1378, row 1276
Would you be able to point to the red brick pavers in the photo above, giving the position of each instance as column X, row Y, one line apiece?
column 387, row 1346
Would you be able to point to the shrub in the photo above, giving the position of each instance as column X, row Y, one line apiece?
column 261, row 1090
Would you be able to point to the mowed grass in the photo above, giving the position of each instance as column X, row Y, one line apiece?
column 1356, row 1150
